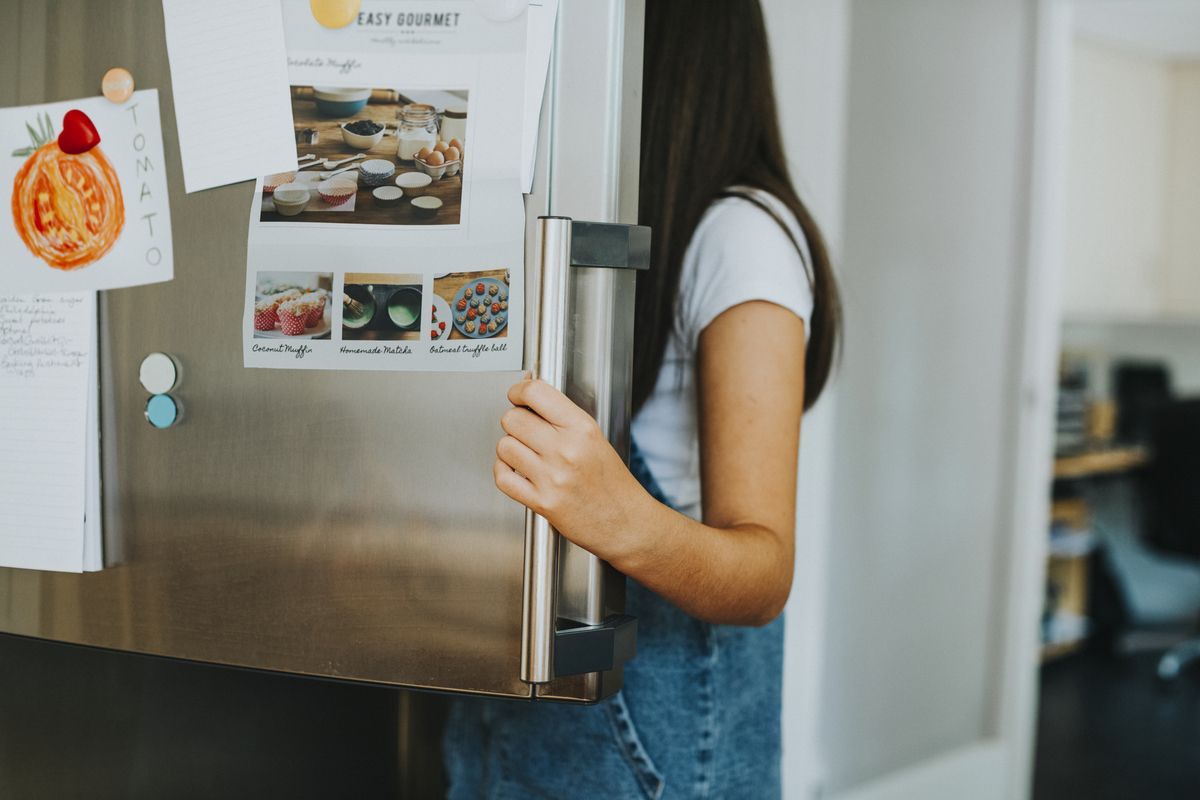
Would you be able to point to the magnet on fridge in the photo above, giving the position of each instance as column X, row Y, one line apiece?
column 162, row 411
column 117, row 85
column 159, row 373
column 335, row 13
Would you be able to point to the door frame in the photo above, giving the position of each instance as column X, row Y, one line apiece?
column 999, row 765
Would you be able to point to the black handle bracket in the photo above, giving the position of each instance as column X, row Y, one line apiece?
column 610, row 244
column 594, row 648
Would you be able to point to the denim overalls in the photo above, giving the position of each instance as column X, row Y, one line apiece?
column 699, row 716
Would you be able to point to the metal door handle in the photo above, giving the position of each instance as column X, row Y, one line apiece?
column 539, row 604
column 562, row 244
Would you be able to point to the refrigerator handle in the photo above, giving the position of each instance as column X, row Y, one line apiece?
column 547, row 652
column 539, row 603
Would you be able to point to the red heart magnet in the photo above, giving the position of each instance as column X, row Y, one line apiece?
column 78, row 134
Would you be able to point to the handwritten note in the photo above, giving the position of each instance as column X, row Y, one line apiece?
column 49, row 437
column 232, row 103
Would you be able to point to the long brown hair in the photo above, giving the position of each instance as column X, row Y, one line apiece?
column 709, row 122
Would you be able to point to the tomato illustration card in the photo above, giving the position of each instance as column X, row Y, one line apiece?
column 87, row 186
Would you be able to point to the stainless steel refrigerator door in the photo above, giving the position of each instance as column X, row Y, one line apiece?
column 324, row 523
column 593, row 152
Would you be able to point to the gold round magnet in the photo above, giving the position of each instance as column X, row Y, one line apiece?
column 117, row 85
column 335, row 13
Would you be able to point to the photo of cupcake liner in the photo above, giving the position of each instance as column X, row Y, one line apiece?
column 314, row 309
column 273, row 182
column 292, row 316
column 291, row 325
column 265, row 316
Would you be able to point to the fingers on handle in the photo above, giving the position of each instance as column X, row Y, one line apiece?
column 519, row 457
column 512, row 484
column 548, row 402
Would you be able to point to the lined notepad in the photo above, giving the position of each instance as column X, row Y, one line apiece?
column 49, row 442
column 230, row 81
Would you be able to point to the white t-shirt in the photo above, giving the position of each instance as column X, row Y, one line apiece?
column 738, row 253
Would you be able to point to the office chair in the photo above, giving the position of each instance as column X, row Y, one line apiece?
column 1171, row 502
column 1140, row 388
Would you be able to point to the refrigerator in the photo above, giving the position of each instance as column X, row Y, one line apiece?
column 345, row 525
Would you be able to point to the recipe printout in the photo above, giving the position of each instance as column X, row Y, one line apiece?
column 398, row 244
column 89, row 207
column 49, row 457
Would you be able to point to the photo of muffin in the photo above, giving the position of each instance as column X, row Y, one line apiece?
column 292, row 314
column 315, row 303
column 292, row 304
column 265, row 317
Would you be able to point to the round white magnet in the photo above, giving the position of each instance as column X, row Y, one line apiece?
column 158, row 373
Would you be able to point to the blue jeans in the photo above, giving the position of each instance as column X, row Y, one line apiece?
column 699, row 716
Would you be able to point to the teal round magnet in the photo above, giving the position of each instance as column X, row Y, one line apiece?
column 162, row 411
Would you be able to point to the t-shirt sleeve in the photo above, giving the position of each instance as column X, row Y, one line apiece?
column 740, row 253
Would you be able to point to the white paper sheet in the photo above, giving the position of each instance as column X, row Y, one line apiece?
column 539, row 41
column 410, row 271
column 229, row 76
column 93, row 528
column 46, row 373
column 96, row 220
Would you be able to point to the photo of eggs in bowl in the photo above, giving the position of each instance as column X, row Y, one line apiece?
column 443, row 160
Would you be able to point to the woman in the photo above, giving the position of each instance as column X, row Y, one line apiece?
column 736, row 328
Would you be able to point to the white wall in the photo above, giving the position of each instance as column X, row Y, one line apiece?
column 1183, row 192
column 1117, row 182
column 808, row 44
column 1133, row 245
column 934, row 253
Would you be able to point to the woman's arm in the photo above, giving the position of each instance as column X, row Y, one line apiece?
column 736, row 566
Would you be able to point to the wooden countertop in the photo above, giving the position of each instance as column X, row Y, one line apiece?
column 330, row 145
column 1101, row 461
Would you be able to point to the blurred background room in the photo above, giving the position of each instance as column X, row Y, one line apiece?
column 998, row 579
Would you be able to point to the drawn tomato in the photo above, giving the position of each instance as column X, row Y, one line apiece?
column 66, row 203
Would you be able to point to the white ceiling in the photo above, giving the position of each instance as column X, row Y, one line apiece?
column 1163, row 28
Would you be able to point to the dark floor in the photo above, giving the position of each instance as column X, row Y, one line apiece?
column 1107, row 730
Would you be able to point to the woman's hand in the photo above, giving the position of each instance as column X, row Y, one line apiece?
column 555, row 460
column 735, row 567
